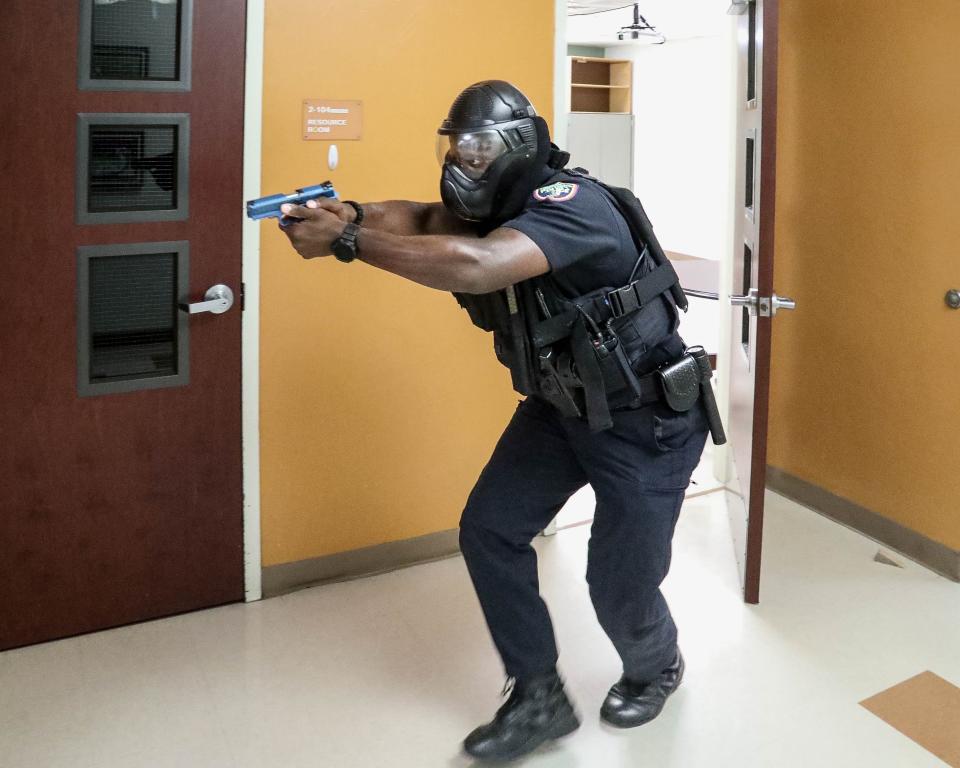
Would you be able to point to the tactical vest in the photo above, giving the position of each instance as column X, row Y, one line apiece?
column 586, row 354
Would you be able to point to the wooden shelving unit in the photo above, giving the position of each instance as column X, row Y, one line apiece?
column 601, row 85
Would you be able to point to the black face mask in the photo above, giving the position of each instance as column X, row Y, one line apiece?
column 501, row 192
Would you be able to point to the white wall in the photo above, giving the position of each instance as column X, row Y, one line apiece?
column 683, row 94
column 683, row 100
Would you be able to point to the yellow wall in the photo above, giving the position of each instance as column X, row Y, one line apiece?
column 865, row 398
column 380, row 403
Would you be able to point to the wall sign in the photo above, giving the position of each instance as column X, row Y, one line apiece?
column 325, row 120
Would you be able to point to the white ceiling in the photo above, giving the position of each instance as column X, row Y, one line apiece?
column 677, row 19
column 592, row 6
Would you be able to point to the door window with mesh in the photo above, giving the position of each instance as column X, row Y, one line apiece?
column 135, row 44
column 132, row 167
column 131, row 331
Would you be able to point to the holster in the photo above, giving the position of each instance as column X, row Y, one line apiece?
column 681, row 383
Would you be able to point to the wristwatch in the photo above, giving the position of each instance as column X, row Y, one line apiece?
column 345, row 246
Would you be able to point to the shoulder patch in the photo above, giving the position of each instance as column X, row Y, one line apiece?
column 559, row 192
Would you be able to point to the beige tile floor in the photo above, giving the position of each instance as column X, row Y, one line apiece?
column 392, row 671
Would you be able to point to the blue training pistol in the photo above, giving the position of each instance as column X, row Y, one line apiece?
column 269, row 206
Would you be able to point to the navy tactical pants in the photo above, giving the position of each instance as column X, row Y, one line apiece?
column 639, row 470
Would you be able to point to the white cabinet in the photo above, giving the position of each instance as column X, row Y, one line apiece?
column 603, row 144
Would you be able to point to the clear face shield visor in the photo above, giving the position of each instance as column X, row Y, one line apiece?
column 473, row 153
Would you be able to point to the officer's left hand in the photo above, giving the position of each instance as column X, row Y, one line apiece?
column 311, row 238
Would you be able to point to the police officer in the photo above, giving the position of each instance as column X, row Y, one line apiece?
column 534, row 252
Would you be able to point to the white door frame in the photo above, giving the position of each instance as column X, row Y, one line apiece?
column 561, row 75
column 250, row 344
column 561, row 100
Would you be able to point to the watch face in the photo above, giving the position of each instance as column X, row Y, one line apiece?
column 345, row 246
column 343, row 251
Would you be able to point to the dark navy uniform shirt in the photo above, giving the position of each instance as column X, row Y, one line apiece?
column 588, row 245
column 582, row 234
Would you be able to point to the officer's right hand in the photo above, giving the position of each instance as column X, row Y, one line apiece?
column 346, row 213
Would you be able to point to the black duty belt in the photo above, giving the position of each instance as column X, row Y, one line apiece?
column 651, row 391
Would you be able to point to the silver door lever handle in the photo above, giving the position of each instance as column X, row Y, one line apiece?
column 781, row 302
column 749, row 301
column 217, row 300
column 752, row 301
column 765, row 306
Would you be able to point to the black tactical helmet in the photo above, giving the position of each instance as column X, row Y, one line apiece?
column 493, row 148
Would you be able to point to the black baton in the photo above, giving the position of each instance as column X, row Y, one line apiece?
column 706, row 395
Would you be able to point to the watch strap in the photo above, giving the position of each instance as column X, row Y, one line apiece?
column 344, row 248
column 358, row 208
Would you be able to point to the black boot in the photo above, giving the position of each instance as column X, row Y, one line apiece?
column 629, row 704
column 537, row 711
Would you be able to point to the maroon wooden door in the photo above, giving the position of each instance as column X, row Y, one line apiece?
column 120, row 191
column 756, row 303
